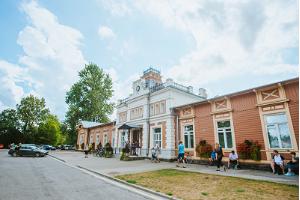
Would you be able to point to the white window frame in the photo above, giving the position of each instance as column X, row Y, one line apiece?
column 225, row 133
column 157, row 139
column 122, row 139
column 277, row 130
column 190, row 135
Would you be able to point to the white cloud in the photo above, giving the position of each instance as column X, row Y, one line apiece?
column 122, row 88
column 50, row 63
column 11, row 93
column 233, row 38
column 106, row 32
column 116, row 8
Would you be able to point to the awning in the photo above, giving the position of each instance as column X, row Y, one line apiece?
column 127, row 127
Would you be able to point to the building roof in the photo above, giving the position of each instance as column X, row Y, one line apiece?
column 239, row 92
column 89, row 124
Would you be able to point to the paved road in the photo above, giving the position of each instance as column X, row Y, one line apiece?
column 45, row 178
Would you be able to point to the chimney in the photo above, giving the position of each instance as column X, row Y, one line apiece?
column 202, row 93
column 190, row 89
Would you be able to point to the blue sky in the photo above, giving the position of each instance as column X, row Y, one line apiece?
column 223, row 46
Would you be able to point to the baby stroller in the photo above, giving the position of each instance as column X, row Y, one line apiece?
column 154, row 157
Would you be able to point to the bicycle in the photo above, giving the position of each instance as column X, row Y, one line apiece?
column 100, row 152
column 188, row 159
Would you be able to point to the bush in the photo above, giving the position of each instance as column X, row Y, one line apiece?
column 126, row 149
column 108, row 150
column 99, row 145
column 249, row 150
column 124, row 156
column 203, row 149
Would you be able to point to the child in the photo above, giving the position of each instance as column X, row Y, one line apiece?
column 212, row 158
column 154, row 155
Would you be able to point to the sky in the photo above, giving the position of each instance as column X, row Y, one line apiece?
column 222, row 46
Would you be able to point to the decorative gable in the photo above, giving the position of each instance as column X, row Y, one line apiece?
column 270, row 94
column 219, row 105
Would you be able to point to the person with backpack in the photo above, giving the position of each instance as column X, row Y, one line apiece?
column 180, row 157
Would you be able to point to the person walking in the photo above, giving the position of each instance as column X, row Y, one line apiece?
column 219, row 156
column 86, row 151
column 180, row 157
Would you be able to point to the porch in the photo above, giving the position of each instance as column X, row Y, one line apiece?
column 131, row 137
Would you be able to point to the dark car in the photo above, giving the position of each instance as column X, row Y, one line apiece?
column 26, row 150
column 67, row 147
column 48, row 147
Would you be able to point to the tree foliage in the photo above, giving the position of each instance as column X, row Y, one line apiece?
column 30, row 123
column 88, row 99
column 10, row 127
column 32, row 111
column 49, row 131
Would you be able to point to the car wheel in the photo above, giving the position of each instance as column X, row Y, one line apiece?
column 37, row 155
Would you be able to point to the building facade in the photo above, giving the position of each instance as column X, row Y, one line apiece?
column 145, row 119
column 93, row 133
column 267, row 114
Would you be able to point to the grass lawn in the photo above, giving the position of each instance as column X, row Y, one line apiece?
column 193, row 185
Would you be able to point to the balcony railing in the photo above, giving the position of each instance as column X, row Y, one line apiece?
column 171, row 84
column 161, row 86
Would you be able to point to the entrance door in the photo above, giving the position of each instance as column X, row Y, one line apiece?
column 135, row 137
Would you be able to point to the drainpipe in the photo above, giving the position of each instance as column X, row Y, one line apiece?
column 148, row 123
column 88, row 138
column 177, row 130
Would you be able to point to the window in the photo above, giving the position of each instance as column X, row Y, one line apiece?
column 136, row 113
column 105, row 139
column 81, row 139
column 278, row 131
column 188, row 136
column 91, row 139
column 158, row 108
column 97, row 139
column 123, row 136
column 123, row 116
column 225, row 134
column 152, row 109
column 162, row 107
column 157, row 137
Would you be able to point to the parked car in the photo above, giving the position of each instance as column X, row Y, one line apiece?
column 67, row 147
column 48, row 147
column 27, row 150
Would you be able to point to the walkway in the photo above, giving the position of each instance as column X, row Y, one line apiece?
column 113, row 167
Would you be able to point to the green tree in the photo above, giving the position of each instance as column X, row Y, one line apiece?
column 31, row 112
column 49, row 131
column 88, row 99
column 10, row 127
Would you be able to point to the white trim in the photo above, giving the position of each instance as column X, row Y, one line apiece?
column 152, row 134
column 232, row 131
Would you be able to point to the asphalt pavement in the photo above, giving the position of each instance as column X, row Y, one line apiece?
column 26, row 178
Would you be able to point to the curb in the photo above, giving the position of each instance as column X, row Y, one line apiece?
column 131, row 185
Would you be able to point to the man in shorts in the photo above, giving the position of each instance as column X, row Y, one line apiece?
column 180, row 154
column 277, row 162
